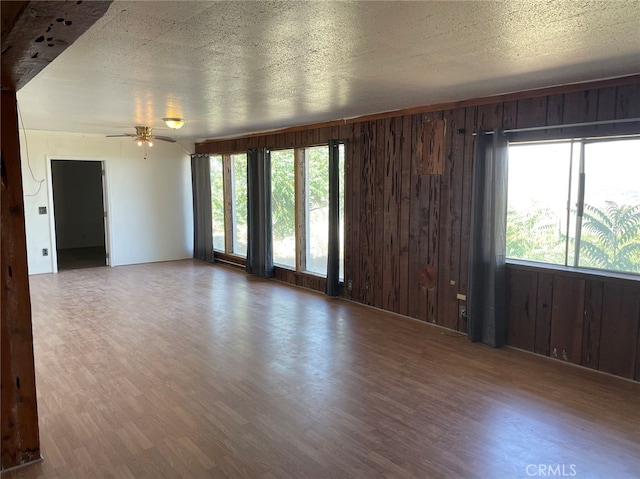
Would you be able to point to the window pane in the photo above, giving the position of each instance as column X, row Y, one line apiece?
column 283, row 207
column 537, row 201
column 610, row 237
column 317, row 209
column 239, row 197
column 217, row 203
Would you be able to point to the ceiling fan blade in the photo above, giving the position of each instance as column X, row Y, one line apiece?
column 124, row 134
column 163, row 138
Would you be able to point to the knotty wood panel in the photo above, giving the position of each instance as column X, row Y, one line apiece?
column 567, row 318
column 522, row 293
column 542, row 343
column 580, row 106
column 434, row 147
column 354, row 241
column 378, row 160
column 391, row 198
column 419, row 227
column 592, row 323
column 628, row 101
column 619, row 332
column 405, row 210
column 367, row 215
column 434, row 219
column 449, row 225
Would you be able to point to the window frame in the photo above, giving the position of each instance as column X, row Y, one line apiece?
column 301, row 226
column 574, row 192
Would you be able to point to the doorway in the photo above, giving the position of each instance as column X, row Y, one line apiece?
column 79, row 214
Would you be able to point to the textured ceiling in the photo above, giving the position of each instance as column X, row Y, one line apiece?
column 238, row 67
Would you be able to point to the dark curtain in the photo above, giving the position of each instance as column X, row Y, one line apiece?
column 202, row 223
column 486, row 299
column 260, row 240
column 333, row 256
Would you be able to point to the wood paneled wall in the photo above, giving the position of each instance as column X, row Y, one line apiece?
column 588, row 320
column 407, row 231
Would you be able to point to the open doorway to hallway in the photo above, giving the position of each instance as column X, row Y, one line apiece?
column 79, row 214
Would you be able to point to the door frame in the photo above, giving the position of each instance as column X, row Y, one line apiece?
column 53, row 253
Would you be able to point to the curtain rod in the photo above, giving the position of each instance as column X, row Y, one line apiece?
column 569, row 125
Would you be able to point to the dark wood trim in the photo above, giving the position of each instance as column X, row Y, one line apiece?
column 230, row 258
column 227, row 185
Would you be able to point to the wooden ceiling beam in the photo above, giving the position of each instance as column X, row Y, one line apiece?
column 35, row 33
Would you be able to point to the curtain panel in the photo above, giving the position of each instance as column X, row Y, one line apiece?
column 260, row 241
column 202, row 221
column 333, row 253
column 486, row 301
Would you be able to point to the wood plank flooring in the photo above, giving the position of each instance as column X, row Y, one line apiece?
column 189, row 370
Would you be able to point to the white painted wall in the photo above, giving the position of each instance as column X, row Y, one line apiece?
column 149, row 200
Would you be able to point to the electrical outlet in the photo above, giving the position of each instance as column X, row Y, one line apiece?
column 45, row 251
column 350, row 285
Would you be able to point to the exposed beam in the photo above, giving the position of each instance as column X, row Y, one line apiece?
column 19, row 415
column 35, row 33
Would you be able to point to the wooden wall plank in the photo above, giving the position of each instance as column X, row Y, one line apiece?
column 405, row 208
column 555, row 109
column 450, row 215
column 532, row 112
column 437, row 144
column 522, row 301
column 469, row 143
column 542, row 344
column 354, row 242
column 348, row 209
column 378, row 149
column 619, row 332
column 391, row 198
column 416, row 294
column 606, row 109
column 367, row 206
column 434, row 147
column 510, row 114
column 628, row 101
column 567, row 318
column 592, row 324
column 580, row 107
column 489, row 116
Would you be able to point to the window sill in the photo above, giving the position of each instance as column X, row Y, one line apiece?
column 571, row 271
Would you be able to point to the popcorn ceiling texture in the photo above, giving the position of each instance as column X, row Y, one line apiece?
column 238, row 67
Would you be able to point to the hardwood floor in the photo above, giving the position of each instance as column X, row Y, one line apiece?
column 185, row 369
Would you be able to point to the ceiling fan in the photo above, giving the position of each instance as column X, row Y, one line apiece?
column 144, row 136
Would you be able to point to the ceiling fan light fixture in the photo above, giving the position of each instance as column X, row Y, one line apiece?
column 174, row 123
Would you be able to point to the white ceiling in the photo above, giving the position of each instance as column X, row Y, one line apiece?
column 240, row 66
